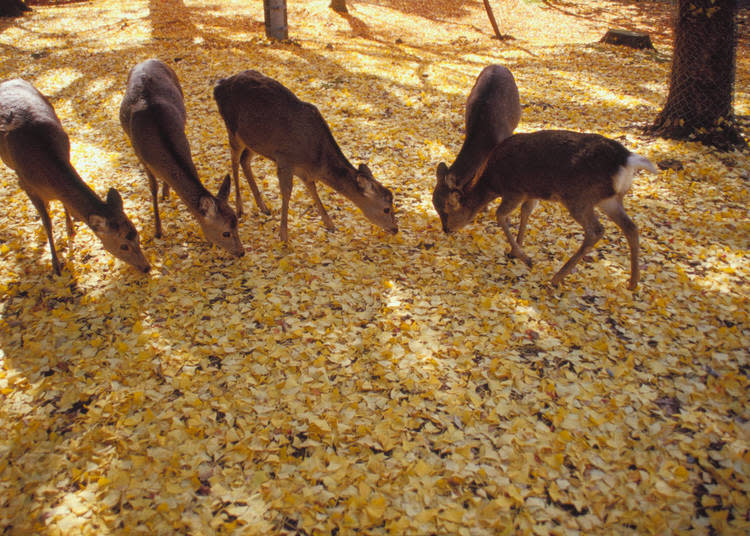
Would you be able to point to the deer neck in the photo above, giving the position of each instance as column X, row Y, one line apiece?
column 471, row 157
column 190, row 189
column 476, row 195
column 78, row 197
column 338, row 173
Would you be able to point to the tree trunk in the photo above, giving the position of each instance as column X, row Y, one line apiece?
column 274, row 12
column 493, row 22
column 699, row 104
column 339, row 6
column 13, row 8
column 627, row 38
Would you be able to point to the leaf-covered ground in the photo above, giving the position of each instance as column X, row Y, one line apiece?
column 357, row 382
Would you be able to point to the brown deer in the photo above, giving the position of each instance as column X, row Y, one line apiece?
column 493, row 110
column 34, row 144
column 581, row 171
column 152, row 114
column 262, row 116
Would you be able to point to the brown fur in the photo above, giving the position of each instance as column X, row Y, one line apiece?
column 34, row 144
column 262, row 116
column 574, row 169
column 152, row 114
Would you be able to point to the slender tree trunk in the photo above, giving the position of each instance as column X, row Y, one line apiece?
column 274, row 12
column 339, row 6
column 699, row 104
column 493, row 22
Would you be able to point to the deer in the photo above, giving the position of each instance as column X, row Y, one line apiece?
column 582, row 171
column 493, row 110
column 34, row 144
column 153, row 116
column 262, row 116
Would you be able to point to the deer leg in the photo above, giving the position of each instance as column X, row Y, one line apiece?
column 319, row 205
column 508, row 205
column 41, row 207
column 164, row 191
column 153, row 185
column 69, row 224
column 285, row 185
column 247, row 156
column 526, row 209
column 593, row 231
column 614, row 209
column 236, row 155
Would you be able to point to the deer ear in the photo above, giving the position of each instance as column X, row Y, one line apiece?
column 364, row 170
column 97, row 223
column 365, row 186
column 223, row 194
column 114, row 200
column 207, row 207
column 441, row 172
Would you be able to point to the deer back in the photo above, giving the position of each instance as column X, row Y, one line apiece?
column 493, row 110
column 269, row 119
column 152, row 114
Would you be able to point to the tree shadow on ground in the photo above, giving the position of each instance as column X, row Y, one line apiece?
column 436, row 10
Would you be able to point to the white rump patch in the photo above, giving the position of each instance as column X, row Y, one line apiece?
column 623, row 179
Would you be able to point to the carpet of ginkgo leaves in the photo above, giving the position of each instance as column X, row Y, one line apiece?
column 357, row 382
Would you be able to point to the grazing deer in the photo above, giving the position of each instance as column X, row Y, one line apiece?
column 34, row 144
column 581, row 171
column 262, row 116
column 152, row 114
column 493, row 110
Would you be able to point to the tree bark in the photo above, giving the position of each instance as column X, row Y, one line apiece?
column 13, row 8
column 699, row 103
column 493, row 22
column 274, row 12
column 339, row 6
column 628, row 39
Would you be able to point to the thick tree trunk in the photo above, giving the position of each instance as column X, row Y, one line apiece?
column 699, row 104
column 13, row 8
column 274, row 12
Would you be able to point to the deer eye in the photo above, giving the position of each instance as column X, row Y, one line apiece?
column 386, row 210
column 124, row 247
column 226, row 234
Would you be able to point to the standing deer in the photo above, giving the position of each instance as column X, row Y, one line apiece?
column 152, row 114
column 34, row 144
column 262, row 116
column 581, row 171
